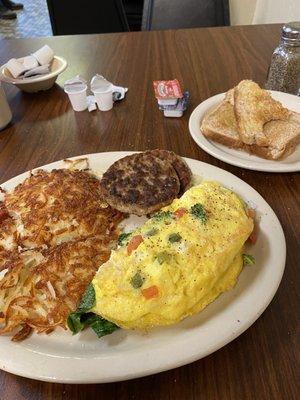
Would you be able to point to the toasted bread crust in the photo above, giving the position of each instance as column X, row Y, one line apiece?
column 283, row 137
column 229, row 96
column 253, row 108
column 220, row 124
column 228, row 141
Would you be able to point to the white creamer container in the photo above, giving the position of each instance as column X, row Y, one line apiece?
column 5, row 113
column 77, row 96
column 104, row 98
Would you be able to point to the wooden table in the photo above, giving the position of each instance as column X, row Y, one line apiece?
column 261, row 363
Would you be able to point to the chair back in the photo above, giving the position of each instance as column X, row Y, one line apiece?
column 176, row 14
column 70, row 17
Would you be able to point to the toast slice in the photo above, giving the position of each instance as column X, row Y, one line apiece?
column 220, row 124
column 283, row 137
column 253, row 108
column 229, row 96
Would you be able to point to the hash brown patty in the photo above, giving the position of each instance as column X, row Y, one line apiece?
column 140, row 184
column 54, row 235
column 50, row 208
column 42, row 288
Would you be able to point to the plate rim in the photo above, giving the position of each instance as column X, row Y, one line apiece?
column 169, row 364
column 209, row 148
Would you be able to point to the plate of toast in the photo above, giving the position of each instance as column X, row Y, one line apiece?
column 250, row 127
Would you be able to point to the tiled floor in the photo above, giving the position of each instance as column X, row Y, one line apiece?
column 32, row 21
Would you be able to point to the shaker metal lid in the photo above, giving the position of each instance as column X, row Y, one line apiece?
column 291, row 32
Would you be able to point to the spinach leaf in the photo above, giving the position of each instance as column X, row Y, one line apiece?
column 74, row 322
column 78, row 321
column 123, row 237
column 197, row 210
column 162, row 215
column 81, row 318
column 88, row 299
column 100, row 326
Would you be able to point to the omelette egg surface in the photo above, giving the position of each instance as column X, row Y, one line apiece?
column 180, row 263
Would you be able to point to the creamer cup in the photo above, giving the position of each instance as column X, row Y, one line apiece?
column 77, row 97
column 104, row 99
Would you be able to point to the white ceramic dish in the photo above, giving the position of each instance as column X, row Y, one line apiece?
column 36, row 83
column 238, row 157
column 60, row 357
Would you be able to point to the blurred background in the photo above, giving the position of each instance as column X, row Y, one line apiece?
column 33, row 18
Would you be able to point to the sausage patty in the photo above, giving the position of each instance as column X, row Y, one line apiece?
column 140, row 184
column 182, row 169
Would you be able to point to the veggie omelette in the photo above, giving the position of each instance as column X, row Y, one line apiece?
column 173, row 266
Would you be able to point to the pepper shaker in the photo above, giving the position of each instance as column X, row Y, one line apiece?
column 284, row 70
column 5, row 113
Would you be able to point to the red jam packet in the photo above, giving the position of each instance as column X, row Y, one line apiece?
column 167, row 89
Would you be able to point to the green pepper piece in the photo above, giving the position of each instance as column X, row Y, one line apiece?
column 248, row 259
column 162, row 257
column 151, row 232
column 137, row 280
column 175, row 237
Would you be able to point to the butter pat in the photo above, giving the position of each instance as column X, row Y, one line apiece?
column 173, row 113
column 177, row 110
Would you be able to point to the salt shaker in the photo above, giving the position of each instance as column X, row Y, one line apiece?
column 284, row 71
column 5, row 113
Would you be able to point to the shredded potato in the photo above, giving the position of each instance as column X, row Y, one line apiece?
column 58, row 206
column 54, row 234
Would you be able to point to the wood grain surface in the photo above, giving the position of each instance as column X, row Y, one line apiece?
column 262, row 363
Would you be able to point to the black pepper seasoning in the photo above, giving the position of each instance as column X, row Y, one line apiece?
column 284, row 71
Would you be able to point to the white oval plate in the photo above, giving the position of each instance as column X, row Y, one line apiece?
column 60, row 357
column 239, row 157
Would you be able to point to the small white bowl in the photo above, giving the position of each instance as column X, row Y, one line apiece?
column 36, row 83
